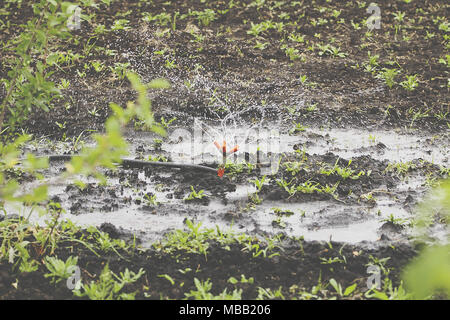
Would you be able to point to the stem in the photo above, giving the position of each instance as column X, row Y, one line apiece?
column 55, row 222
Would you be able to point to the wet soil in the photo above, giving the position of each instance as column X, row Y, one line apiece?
column 296, row 269
column 351, row 119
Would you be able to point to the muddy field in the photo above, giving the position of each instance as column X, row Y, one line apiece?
column 331, row 165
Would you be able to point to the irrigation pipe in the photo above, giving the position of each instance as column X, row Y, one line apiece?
column 138, row 163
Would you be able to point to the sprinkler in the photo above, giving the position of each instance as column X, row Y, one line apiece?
column 225, row 154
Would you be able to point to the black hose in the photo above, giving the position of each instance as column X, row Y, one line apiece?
column 139, row 163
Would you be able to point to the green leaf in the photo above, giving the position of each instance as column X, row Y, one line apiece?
column 158, row 84
column 349, row 290
column 233, row 280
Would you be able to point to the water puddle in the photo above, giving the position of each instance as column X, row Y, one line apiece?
column 313, row 220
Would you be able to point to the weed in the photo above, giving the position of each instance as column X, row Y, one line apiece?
column 243, row 279
column 267, row 293
column 109, row 285
column 203, row 292
column 396, row 221
column 298, row 127
column 339, row 290
column 259, row 182
column 195, row 195
column 58, row 269
column 410, row 83
column 400, row 168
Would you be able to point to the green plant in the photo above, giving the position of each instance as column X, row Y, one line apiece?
column 427, row 275
column 256, row 249
column 298, row 127
column 151, row 199
column 267, row 293
column 120, row 24
column 195, row 195
column 28, row 84
column 205, row 17
column 58, row 269
column 292, row 53
column 339, row 290
column 299, row 38
column 261, row 45
column 396, row 221
column 120, row 69
column 410, row 83
column 259, row 182
column 400, row 168
column 388, row 75
column 344, row 172
column 243, row 279
column 282, row 212
column 399, row 16
column 167, row 277
column 109, row 285
column 278, row 222
column 254, row 199
column 157, row 144
column 389, row 293
column 165, row 123
column 203, row 292
column 162, row 19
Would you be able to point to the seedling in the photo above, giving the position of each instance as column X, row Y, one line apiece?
column 259, row 183
column 120, row 69
column 120, row 24
column 298, row 127
column 339, row 290
column 203, row 292
column 195, row 195
column 400, row 168
column 165, row 123
column 282, row 212
column 267, row 293
column 60, row 270
column 151, row 199
column 292, row 53
column 410, row 83
column 243, row 279
column 396, row 221
column 261, row 45
column 109, row 285
column 167, row 277
column 205, row 17
column 388, row 75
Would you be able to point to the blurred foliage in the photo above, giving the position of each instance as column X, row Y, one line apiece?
column 428, row 276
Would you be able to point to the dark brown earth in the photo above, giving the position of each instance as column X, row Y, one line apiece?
column 298, row 267
column 227, row 66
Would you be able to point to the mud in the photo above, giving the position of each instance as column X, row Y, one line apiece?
column 287, row 128
column 357, row 209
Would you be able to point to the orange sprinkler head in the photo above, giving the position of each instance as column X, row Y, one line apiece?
column 220, row 172
column 217, row 145
column 235, row 148
column 223, row 148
